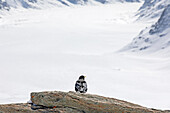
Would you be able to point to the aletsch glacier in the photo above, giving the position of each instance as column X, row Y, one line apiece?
column 47, row 50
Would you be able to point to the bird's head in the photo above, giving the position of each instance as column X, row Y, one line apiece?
column 82, row 77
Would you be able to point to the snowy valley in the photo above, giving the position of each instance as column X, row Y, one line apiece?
column 47, row 44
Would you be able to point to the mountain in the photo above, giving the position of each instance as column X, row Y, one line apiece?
column 154, row 38
column 152, row 9
column 8, row 4
column 34, row 3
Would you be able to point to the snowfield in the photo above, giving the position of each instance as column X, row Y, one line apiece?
column 48, row 49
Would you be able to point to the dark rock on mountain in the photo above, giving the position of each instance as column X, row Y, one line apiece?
column 4, row 5
column 132, row 0
column 78, row 1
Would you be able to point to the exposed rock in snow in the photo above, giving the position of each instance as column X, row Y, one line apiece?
column 78, row 1
column 154, row 38
column 4, row 5
column 152, row 9
column 132, row 0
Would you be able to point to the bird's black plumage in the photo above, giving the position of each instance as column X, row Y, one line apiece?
column 81, row 85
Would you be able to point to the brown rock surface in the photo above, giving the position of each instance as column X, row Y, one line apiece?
column 71, row 102
column 26, row 108
column 87, row 103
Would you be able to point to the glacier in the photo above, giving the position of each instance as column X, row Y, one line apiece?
column 48, row 48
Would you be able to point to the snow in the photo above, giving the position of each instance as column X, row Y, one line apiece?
column 154, row 39
column 151, row 10
column 42, row 4
column 49, row 49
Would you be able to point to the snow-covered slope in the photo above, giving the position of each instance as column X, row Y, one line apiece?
column 36, row 3
column 7, row 4
column 154, row 38
column 39, row 4
column 152, row 9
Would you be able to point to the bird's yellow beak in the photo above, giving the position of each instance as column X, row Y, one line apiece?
column 84, row 76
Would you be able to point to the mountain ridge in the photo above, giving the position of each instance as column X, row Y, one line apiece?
column 152, row 9
column 8, row 4
column 154, row 38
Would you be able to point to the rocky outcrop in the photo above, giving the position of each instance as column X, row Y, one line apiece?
column 86, row 103
column 71, row 102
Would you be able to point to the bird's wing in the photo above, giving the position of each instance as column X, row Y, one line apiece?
column 77, row 85
column 84, row 84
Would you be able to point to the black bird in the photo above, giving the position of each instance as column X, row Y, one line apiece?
column 81, row 85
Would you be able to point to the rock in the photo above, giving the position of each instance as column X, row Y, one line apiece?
column 4, row 5
column 71, row 102
column 16, row 108
column 87, row 103
column 26, row 108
